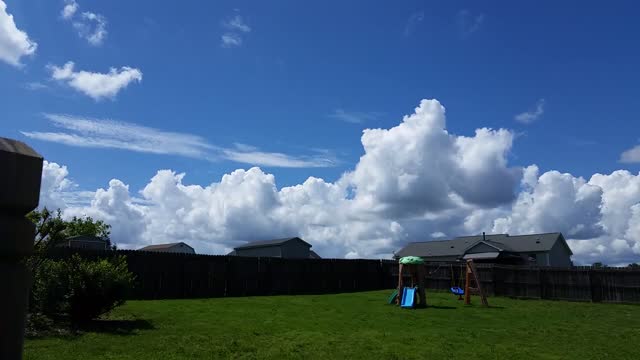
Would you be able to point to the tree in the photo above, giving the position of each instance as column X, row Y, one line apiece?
column 51, row 229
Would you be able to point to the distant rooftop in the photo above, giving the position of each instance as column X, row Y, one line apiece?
column 161, row 246
column 456, row 247
column 273, row 242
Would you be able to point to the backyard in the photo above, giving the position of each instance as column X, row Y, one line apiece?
column 355, row 325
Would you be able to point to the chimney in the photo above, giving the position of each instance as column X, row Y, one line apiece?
column 483, row 237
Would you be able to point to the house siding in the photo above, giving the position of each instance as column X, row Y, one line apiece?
column 180, row 248
column 542, row 258
column 265, row 251
column 439, row 258
column 295, row 250
column 559, row 255
column 87, row 244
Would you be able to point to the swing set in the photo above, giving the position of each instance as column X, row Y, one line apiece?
column 406, row 296
column 471, row 276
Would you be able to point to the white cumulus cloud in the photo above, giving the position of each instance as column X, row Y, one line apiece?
column 96, row 85
column 414, row 181
column 631, row 156
column 70, row 8
column 89, row 25
column 14, row 43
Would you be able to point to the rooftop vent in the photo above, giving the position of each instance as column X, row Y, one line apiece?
column 452, row 246
column 537, row 241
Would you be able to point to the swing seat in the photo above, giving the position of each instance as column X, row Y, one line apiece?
column 457, row 290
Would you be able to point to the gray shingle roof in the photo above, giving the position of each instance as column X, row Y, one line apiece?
column 457, row 247
column 85, row 238
column 161, row 246
column 265, row 243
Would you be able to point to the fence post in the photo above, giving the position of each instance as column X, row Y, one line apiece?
column 541, row 283
column 21, row 169
column 596, row 286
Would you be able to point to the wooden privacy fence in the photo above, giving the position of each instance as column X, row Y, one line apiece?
column 617, row 285
column 170, row 275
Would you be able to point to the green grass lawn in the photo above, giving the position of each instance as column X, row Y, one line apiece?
column 354, row 326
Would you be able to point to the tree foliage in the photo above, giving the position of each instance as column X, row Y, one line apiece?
column 52, row 229
column 88, row 226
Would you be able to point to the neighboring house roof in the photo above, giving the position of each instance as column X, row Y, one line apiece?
column 85, row 238
column 162, row 246
column 503, row 242
column 267, row 243
column 313, row 255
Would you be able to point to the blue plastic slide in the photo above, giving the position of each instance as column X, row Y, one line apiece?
column 408, row 295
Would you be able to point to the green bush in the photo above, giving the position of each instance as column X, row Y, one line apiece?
column 50, row 291
column 80, row 289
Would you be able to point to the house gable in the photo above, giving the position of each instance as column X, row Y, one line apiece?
column 482, row 247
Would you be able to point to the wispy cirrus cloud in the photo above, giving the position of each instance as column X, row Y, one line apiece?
column 89, row 132
column 413, row 22
column 231, row 40
column 110, row 134
column 35, row 85
column 93, row 84
column 235, row 27
column 355, row 117
column 274, row 159
column 236, row 23
column 530, row 116
column 468, row 22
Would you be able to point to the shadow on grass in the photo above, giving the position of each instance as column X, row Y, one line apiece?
column 117, row 327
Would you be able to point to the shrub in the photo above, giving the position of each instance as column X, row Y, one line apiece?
column 80, row 289
column 97, row 287
column 50, row 291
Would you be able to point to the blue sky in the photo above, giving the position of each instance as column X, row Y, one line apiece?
column 300, row 81
column 301, row 62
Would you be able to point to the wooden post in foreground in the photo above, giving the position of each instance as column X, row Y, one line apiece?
column 20, row 176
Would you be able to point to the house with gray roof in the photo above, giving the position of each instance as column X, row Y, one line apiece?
column 291, row 248
column 549, row 249
column 179, row 247
column 85, row 242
